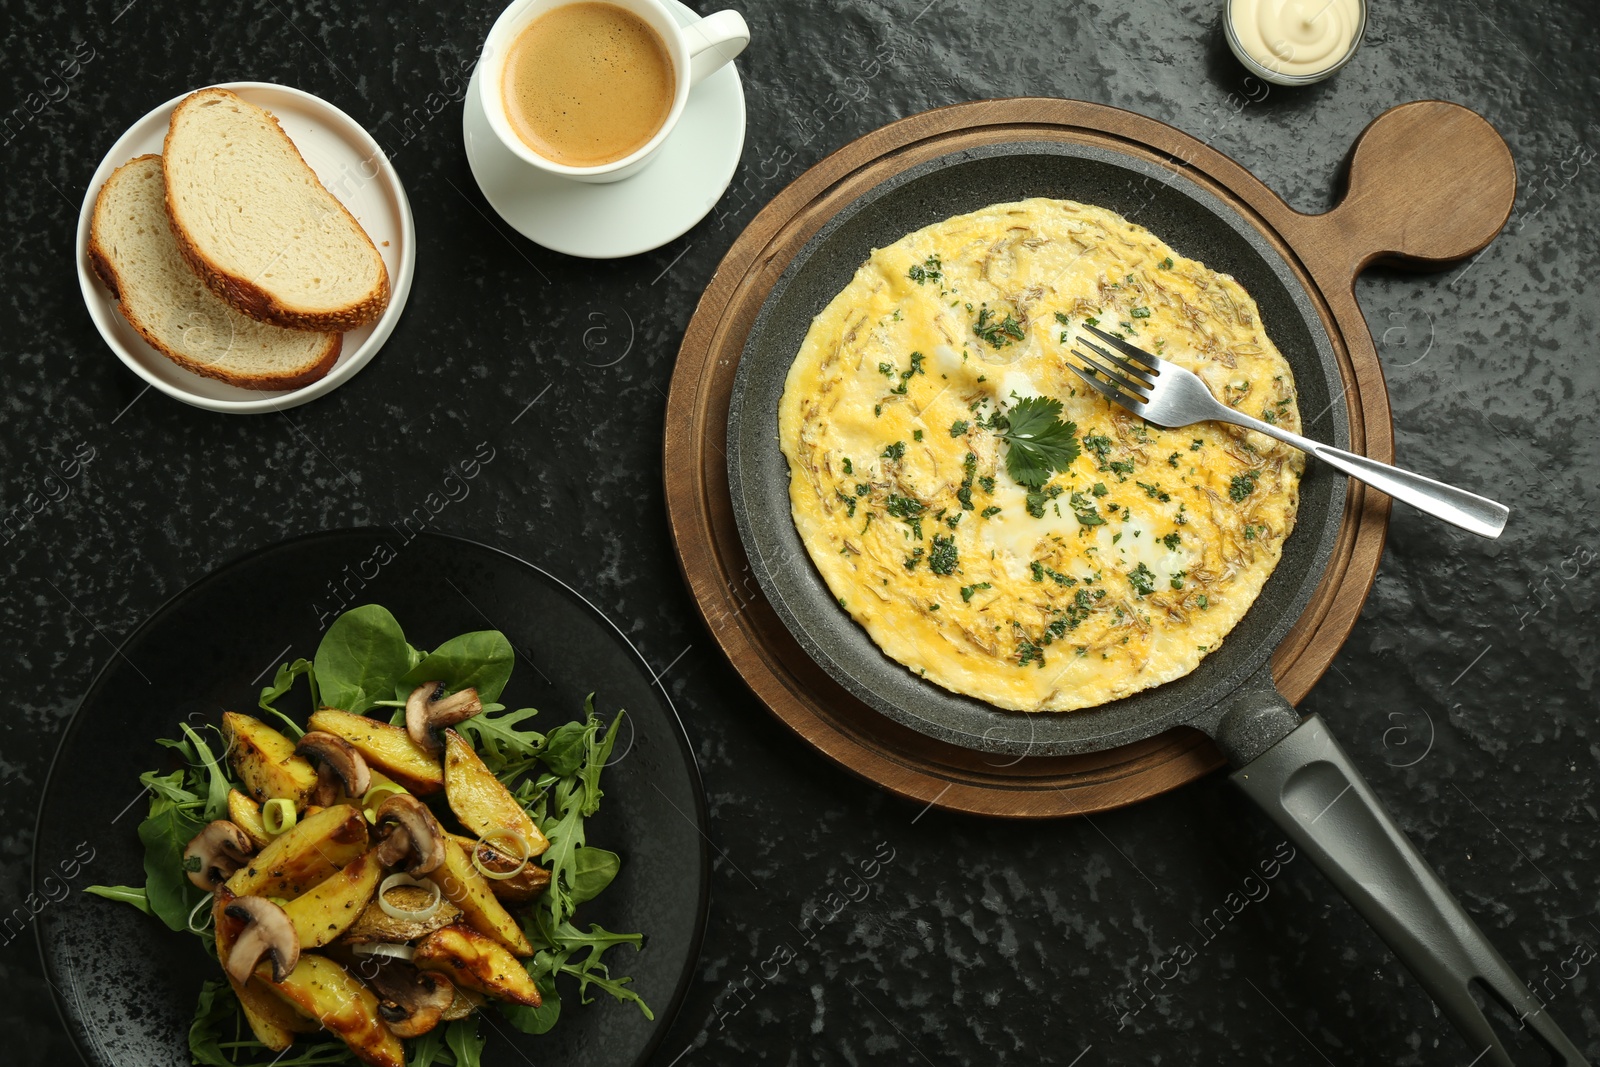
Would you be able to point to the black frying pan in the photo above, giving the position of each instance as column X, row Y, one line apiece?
column 1292, row 768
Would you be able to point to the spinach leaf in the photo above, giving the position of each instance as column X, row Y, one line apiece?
column 482, row 660
column 591, row 871
column 565, row 748
column 214, row 1009
column 170, row 894
column 536, row 1020
column 125, row 893
column 165, row 832
column 361, row 659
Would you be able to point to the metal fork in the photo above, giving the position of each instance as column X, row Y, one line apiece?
column 1167, row 395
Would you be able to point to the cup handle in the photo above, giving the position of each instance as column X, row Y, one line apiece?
column 714, row 41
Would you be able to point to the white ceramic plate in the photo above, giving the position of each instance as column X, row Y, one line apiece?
column 350, row 163
column 660, row 203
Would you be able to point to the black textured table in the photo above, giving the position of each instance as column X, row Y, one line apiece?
column 847, row 927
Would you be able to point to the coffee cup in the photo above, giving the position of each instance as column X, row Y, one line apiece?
column 692, row 53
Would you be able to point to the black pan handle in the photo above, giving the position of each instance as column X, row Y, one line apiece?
column 1310, row 788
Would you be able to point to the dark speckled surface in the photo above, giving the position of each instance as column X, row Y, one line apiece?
column 856, row 929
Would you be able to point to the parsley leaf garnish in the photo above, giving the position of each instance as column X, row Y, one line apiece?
column 1242, row 485
column 1040, row 443
column 929, row 270
column 998, row 334
column 1143, row 580
column 1084, row 510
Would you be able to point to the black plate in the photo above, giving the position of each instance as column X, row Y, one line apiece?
column 1188, row 218
column 126, row 985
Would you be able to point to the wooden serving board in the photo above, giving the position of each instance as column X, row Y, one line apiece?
column 1428, row 183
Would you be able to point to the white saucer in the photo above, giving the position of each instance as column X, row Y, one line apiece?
column 625, row 218
column 338, row 149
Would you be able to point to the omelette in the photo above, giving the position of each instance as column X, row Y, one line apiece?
column 997, row 527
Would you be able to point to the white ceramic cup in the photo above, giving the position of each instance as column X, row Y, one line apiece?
column 696, row 50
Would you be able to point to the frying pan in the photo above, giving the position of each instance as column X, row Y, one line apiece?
column 1292, row 768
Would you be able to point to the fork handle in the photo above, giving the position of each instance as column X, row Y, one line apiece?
column 1471, row 512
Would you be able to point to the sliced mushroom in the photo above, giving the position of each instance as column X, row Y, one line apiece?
column 214, row 853
column 268, row 932
column 338, row 764
column 428, row 709
column 411, row 1001
column 410, row 832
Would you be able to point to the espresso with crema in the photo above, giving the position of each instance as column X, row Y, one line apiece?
column 588, row 84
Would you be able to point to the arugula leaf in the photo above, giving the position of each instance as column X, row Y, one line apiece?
column 361, row 659
column 507, row 749
column 482, row 659
column 425, row 1050
column 128, row 894
column 557, row 942
column 593, row 972
column 216, row 778
column 1040, row 443
column 464, row 1041
column 283, row 681
column 599, row 754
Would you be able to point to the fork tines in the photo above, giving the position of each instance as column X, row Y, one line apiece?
column 1121, row 380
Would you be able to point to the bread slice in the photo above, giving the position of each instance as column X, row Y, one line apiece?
column 132, row 249
column 258, row 227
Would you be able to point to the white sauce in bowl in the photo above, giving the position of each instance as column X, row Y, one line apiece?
column 1296, row 38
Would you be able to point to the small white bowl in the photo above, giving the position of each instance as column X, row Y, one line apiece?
column 1266, row 73
column 350, row 163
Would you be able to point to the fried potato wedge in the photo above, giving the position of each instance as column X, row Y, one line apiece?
column 468, row 890
column 386, row 748
column 272, row 1021
column 519, row 888
column 472, row 960
column 330, row 907
column 375, row 924
column 245, row 813
column 304, row 855
column 323, row 990
column 265, row 761
column 479, row 800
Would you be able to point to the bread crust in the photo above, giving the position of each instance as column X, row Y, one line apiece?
column 244, row 295
column 103, row 268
